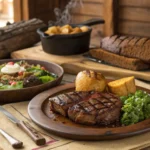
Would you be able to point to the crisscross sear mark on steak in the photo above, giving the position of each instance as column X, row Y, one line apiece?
column 89, row 108
column 62, row 102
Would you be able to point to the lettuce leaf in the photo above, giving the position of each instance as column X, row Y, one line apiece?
column 19, row 85
column 46, row 79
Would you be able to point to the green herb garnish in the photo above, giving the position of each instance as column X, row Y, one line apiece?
column 136, row 107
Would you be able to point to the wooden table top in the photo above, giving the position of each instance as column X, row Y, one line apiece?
column 57, row 143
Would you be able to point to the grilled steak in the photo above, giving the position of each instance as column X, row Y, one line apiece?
column 88, row 108
column 100, row 108
column 62, row 102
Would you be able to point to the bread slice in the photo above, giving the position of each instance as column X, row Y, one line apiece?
column 140, row 50
column 119, row 61
column 122, row 87
column 135, row 47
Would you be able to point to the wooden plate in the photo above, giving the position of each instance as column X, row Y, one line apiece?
column 24, row 94
column 39, row 112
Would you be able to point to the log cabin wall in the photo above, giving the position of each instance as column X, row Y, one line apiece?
column 134, row 17
column 91, row 9
column 130, row 17
column 42, row 9
column 121, row 16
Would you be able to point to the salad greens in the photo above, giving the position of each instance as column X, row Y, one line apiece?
column 18, row 85
column 136, row 107
column 46, row 79
column 37, row 71
column 17, row 80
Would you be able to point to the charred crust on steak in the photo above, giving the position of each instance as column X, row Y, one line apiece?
column 90, row 108
column 62, row 102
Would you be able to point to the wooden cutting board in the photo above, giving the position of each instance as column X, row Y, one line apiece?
column 75, row 63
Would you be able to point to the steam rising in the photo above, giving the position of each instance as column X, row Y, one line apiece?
column 65, row 17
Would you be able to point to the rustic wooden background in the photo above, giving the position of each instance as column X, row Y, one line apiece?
column 91, row 9
column 134, row 17
column 121, row 16
column 130, row 17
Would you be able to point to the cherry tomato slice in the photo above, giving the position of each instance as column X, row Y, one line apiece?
column 43, row 68
column 10, row 82
column 20, row 73
column 13, row 83
column 10, row 63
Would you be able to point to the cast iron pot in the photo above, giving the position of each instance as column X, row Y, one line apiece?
column 68, row 44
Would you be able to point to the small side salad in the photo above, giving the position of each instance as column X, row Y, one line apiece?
column 136, row 107
column 20, row 75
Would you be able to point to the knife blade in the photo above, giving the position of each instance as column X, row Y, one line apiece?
column 26, row 127
column 88, row 56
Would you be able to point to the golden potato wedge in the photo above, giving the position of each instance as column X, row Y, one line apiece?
column 52, row 30
column 130, row 84
column 122, row 87
column 84, row 28
column 66, row 29
column 76, row 30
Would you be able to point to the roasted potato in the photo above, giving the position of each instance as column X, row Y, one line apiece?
column 89, row 80
column 53, row 30
column 76, row 30
column 122, row 87
column 66, row 29
column 84, row 28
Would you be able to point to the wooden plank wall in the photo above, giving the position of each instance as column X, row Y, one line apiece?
column 134, row 17
column 91, row 9
column 131, row 18
column 42, row 9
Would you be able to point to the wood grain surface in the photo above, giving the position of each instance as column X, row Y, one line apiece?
column 109, row 17
column 91, row 9
column 137, row 3
column 134, row 17
column 75, row 63
column 20, row 32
